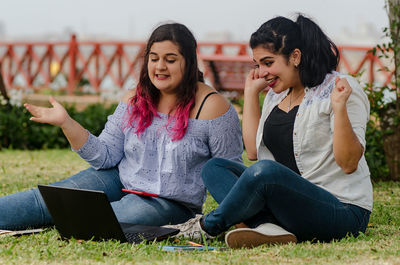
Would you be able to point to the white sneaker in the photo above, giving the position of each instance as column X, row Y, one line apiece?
column 191, row 229
column 263, row 234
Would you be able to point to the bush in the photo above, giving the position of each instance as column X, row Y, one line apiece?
column 18, row 132
column 374, row 153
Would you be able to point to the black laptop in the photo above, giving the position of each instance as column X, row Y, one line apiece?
column 87, row 214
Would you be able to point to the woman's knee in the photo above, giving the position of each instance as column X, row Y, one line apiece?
column 91, row 178
column 214, row 162
column 219, row 165
column 209, row 168
column 262, row 172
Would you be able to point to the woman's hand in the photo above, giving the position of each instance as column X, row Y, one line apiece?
column 254, row 83
column 346, row 146
column 251, row 111
column 57, row 115
column 340, row 94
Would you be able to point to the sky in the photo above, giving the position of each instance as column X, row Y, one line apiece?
column 135, row 19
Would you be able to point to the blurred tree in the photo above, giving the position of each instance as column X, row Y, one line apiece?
column 389, row 112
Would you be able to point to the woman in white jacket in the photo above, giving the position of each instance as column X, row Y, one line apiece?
column 311, row 180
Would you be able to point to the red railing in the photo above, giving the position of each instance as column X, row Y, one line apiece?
column 70, row 65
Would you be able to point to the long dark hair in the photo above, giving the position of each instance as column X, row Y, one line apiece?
column 319, row 55
column 144, row 103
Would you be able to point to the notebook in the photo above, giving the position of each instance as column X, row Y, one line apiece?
column 87, row 214
column 20, row 232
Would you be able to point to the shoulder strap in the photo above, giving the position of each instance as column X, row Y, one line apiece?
column 202, row 103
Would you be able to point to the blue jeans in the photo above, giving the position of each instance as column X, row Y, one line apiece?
column 27, row 209
column 268, row 192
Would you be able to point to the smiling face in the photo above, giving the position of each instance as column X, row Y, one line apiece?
column 166, row 66
column 276, row 69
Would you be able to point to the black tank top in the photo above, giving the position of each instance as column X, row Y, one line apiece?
column 278, row 136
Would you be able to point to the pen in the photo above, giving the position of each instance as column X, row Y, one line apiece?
column 194, row 244
column 140, row 193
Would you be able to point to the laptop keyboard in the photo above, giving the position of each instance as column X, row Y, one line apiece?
column 139, row 236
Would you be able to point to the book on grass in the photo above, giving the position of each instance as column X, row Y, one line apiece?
column 190, row 248
column 20, row 232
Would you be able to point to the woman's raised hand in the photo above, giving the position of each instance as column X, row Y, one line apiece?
column 255, row 83
column 251, row 111
column 56, row 115
column 340, row 93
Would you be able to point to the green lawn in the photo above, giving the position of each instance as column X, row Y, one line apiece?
column 21, row 170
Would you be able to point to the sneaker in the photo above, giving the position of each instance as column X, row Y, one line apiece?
column 263, row 234
column 191, row 229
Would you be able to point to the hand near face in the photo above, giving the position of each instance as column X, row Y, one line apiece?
column 254, row 82
column 340, row 93
column 56, row 115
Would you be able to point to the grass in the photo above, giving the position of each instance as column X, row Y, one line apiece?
column 21, row 170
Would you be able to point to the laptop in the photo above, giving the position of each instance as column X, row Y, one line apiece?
column 88, row 215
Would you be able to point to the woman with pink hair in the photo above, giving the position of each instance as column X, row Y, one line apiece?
column 157, row 141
